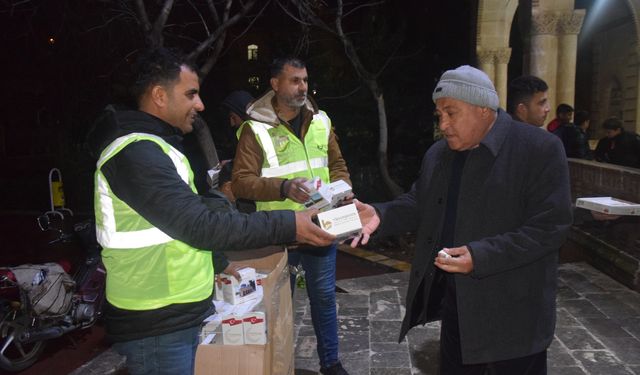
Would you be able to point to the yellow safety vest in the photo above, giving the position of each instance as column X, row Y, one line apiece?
column 286, row 156
column 146, row 268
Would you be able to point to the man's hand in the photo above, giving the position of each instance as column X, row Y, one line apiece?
column 458, row 261
column 295, row 190
column 232, row 269
column 309, row 233
column 370, row 222
column 603, row 217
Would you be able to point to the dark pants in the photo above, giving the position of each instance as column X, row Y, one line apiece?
column 451, row 354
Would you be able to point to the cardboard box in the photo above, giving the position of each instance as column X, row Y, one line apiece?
column 609, row 205
column 276, row 356
column 343, row 222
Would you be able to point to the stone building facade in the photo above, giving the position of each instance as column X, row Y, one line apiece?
column 605, row 35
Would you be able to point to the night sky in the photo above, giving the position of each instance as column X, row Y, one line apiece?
column 65, row 60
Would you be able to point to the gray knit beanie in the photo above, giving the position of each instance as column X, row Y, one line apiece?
column 469, row 85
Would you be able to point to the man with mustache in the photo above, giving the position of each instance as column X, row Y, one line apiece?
column 286, row 142
column 491, row 209
column 157, row 234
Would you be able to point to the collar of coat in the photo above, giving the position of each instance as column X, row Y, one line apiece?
column 265, row 109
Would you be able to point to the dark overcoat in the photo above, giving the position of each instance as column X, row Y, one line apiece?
column 514, row 211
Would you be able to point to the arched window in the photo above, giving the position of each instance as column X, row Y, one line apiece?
column 252, row 52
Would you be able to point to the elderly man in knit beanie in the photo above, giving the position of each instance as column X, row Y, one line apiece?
column 491, row 208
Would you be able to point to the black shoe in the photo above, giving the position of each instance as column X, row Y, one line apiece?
column 336, row 369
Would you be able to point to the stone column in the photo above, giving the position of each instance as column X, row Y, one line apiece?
column 637, row 117
column 502, row 59
column 486, row 58
column 544, row 50
column 569, row 25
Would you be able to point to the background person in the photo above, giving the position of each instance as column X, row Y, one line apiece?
column 286, row 142
column 494, row 196
column 157, row 234
column 578, row 138
column 564, row 114
column 527, row 100
column 236, row 104
column 619, row 146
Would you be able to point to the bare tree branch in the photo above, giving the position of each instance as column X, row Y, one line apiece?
column 362, row 6
column 144, row 17
column 156, row 32
column 205, row 44
column 204, row 23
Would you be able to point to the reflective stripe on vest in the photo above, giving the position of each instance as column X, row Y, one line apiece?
column 107, row 234
column 286, row 156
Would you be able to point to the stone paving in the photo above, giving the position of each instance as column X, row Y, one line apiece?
column 598, row 329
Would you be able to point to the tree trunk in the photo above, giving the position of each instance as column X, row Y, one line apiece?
column 383, row 130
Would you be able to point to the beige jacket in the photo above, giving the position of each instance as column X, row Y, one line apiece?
column 247, row 164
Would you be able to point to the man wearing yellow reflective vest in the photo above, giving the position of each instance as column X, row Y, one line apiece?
column 286, row 142
column 157, row 234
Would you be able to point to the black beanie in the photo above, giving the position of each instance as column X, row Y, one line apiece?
column 237, row 102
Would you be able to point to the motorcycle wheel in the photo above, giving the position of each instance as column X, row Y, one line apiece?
column 14, row 355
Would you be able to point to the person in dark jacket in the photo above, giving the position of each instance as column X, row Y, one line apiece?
column 157, row 234
column 236, row 104
column 619, row 146
column 491, row 208
column 577, row 139
column 564, row 113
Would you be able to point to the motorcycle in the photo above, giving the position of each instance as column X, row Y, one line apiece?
column 24, row 326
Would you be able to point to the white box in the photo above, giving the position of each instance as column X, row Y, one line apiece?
column 338, row 190
column 235, row 291
column 232, row 331
column 609, row 205
column 343, row 222
column 326, row 196
column 255, row 328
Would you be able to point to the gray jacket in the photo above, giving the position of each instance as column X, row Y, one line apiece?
column 514, row 211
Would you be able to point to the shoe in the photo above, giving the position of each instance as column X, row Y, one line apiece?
column 336, row 369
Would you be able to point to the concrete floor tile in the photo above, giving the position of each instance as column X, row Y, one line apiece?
column 604, row 327
column 627, row 349
column 565, row 319
column 566, row 293
column 352, row 300
column 577, row 339
column 581, row 308
column 353, row 341
column 384, row 330
column 390, row 371
column 385, row 305
column 596, row 358
column 306, row 348
column 390, row 359
column 353, row 324
column 353, row 311
column 559, row 356
column 574, row 370
column 425, row 356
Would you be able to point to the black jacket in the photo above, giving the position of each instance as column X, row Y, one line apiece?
column 623, row 149
column 513, row 212
column 144, row 177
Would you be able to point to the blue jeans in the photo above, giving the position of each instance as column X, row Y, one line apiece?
column 319, row 265
column 172, row 353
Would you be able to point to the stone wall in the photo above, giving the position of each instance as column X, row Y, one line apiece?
column 612, row 246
